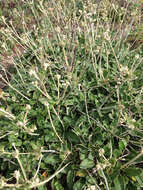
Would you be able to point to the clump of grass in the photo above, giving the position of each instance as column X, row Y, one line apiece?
column 71, row 115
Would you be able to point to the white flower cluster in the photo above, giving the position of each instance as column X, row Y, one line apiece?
column 124, row 70
column 127, row 121
column 92, row 187
column 33, row 72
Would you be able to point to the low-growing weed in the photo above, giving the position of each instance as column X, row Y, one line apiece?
column 71, row 111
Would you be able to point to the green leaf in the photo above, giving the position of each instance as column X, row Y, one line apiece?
column 58, row 186
column 18, row 142
column 87, row 163
column 120, row 183
column 70, row 179
column 34, row 145
column 117, row 184
column 133, row 171
column 116, row 153
column 140, row 179
column 42, row 188
column 79, row 184
column 52, row 159
column 72, row 137
column 122, row 144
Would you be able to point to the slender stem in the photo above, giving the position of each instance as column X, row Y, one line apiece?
column 6, row 134
column 93, row 180
column 132, row 160
column 20, row 164
column 23, row 171
column 54, row 126
column 105, row 179
column 7, row 113
column 58, row 116
column 50, row 178
column 13, row 88
column 38, row 167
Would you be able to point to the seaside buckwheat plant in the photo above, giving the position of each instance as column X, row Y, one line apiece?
column 71, row 95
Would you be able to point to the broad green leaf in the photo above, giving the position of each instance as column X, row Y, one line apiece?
column 117, row 184
column 132, row 171
column 52, row 159
column 42, row 188
column 122, row 144
column 120, row 183
column 72, row 137
column 87, row 163
column 18, row 143
column 79, row 184
column 70, row 179
column 58, row 186
column 140, row 179
column 116, row 152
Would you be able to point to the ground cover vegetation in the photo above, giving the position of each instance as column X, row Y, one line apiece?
column 71, row 95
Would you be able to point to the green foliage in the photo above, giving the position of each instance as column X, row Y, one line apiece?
column 71, row 115
column 87, row 163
